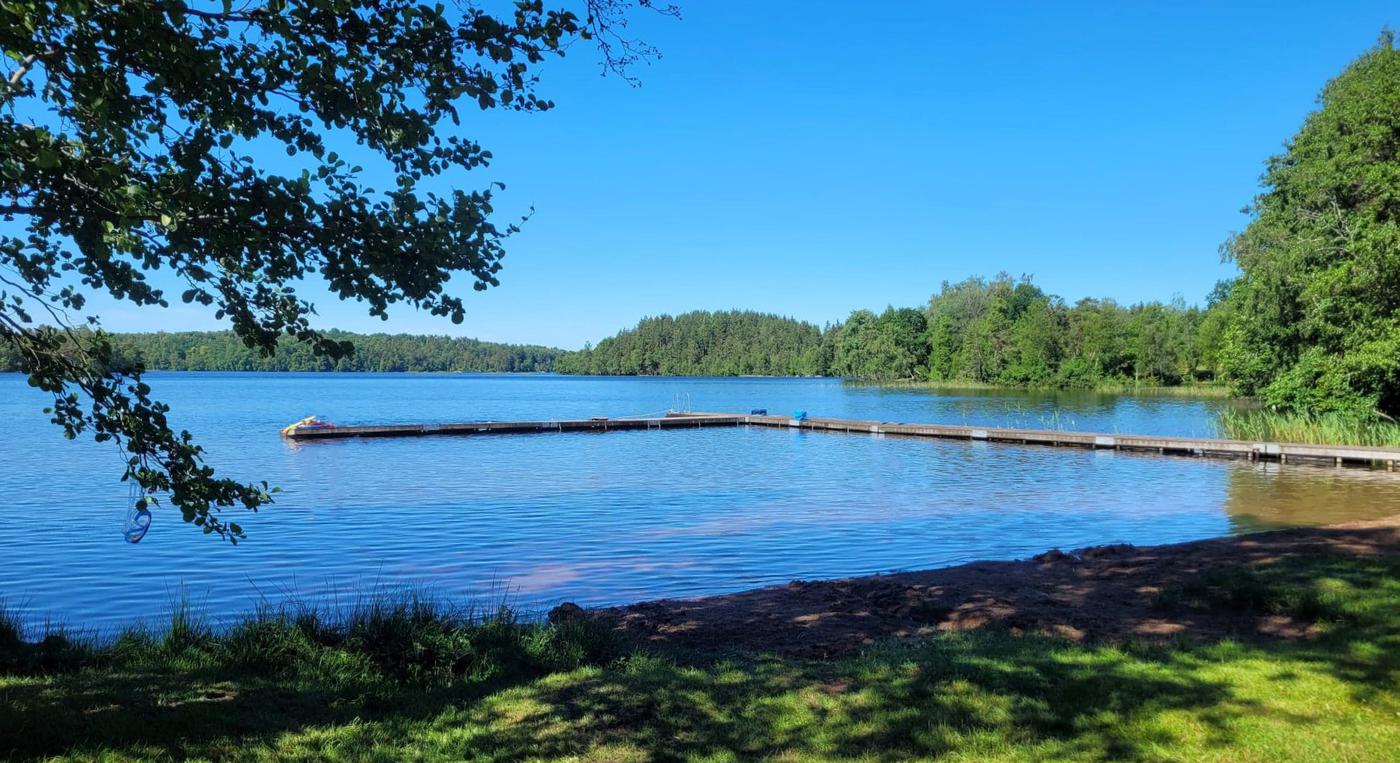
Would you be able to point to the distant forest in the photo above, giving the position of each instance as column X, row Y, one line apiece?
column 731, row 343
column 223, row 351
column 1001, row 331
column 1008, row 331
column 985, row 331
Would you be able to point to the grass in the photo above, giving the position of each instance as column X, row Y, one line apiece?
column 408, row 640
column 402, row 680
column 1319, row 429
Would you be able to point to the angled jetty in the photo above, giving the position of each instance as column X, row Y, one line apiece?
column 1337, row 455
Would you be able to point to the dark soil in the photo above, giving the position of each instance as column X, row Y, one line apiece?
column 1101, row 594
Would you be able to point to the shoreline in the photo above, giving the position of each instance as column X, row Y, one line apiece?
column 1306, row 620
column 1109, row 594
column 1101, row 594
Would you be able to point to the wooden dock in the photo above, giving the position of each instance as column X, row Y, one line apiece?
column 1336, row 455
column 599, row 424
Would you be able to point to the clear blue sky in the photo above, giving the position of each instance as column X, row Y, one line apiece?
column 812, row 158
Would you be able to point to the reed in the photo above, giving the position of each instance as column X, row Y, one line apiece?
column 393, row 639
column 1312, row 429
column 1106, row 386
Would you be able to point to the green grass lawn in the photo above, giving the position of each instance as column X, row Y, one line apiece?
column 405, row 682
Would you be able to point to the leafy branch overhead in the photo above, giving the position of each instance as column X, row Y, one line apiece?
column 129, row 137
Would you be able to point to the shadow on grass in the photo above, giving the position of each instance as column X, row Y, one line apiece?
column 987, row 692
column 1354, row 604
column 193, row 714
column 978, row 693
column 192, row 692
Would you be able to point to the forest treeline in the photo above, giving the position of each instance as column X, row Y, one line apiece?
column 984, row 331
column 701, row 343
column 980, row 331
column 1008, row 331
column 223, row 351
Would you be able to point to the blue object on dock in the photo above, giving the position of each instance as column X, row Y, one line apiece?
column 759, row 412
column 799, row 416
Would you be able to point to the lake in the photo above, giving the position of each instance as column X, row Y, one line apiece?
column 607, row 518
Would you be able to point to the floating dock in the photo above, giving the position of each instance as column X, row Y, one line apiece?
column 597, row 424
column 1337, row 455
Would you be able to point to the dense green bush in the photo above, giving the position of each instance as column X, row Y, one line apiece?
column 729, row 343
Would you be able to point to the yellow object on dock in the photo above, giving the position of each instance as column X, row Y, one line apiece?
column 310, row 422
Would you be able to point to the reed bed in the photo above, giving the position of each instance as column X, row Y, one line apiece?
column 1311, row 429
column 1107, row 387
column 398, row 638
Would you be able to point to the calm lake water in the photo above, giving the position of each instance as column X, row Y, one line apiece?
column 607, row 518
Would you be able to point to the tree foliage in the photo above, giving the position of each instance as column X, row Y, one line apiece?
column 1007, row 331
column 1002, row 331
column 1316, row 323
column 135, row 136
column 890, row 346
column 732, row 343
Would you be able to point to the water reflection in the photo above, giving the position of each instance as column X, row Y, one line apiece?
column 1268, row 496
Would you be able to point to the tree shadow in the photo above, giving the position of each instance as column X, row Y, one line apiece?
column 183, row 714
column 1349, row 602
column 938, row 698
column 920, row 698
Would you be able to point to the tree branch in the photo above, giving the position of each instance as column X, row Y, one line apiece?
column 25, row 65
column 242, row 14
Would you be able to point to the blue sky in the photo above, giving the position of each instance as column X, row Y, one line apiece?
column 812, row 158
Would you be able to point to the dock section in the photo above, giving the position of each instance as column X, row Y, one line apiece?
column 598, row 424
column 1337, row 455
